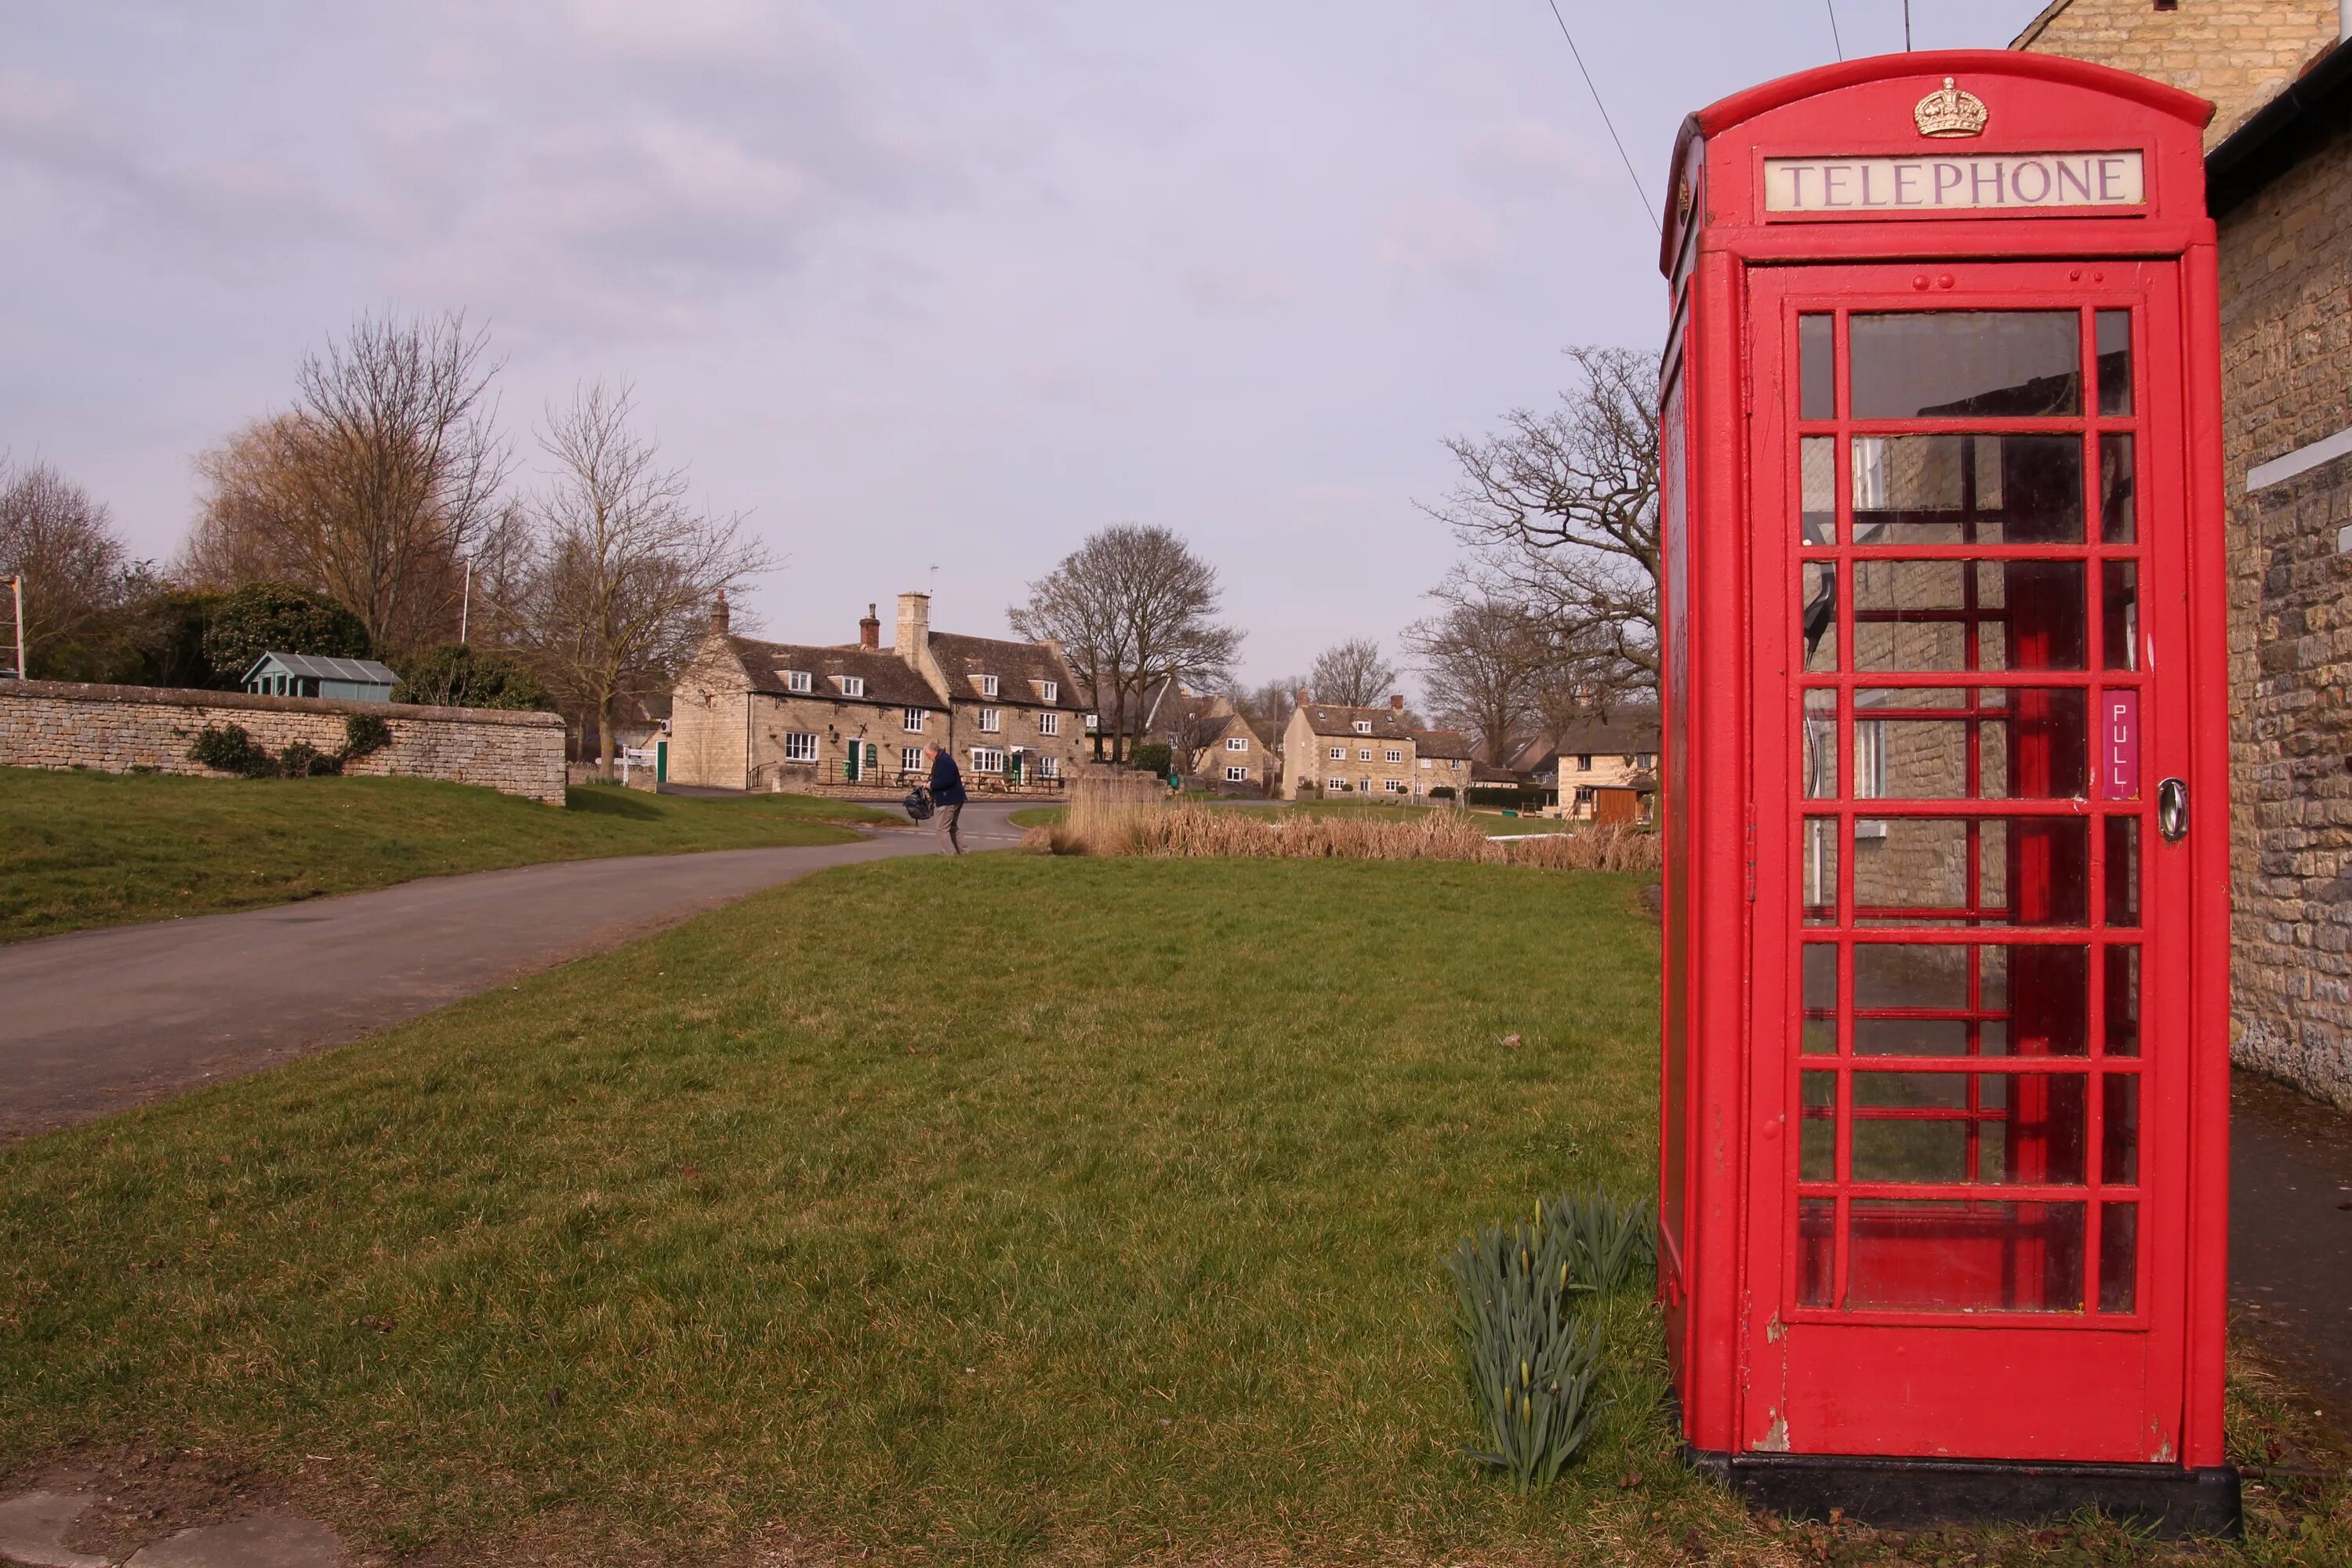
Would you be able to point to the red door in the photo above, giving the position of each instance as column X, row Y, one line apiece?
column 1969, row 1123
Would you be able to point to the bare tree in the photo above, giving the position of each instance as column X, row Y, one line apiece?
column 372, row 489
column 626, row 567
column 1560, row 512
column 79, row 582
column 1481, row 663
column 1131, row 607
column 1267, row 706
column 1352, row 674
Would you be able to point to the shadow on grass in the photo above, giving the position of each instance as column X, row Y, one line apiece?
column 611, row 800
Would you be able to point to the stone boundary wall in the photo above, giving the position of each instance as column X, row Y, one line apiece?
column 145, row 728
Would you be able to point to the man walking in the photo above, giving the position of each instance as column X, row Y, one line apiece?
column 947, row 797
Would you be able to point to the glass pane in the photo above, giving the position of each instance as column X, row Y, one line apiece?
column 2120, row 606
column 2123, row 871
column 1930, row 616
column 1821, row 966
column 1820, row 745
column 2114, row 332
column 1968, row 490
column 1817, row 1115
column 1820, row 870
column 1817, row 478
column 1816, row 368
column 1926, row 987
column 1932, row 364
column 2123, row 1001
column 1816, row 1250
column 1975, row 871
column 2119, row 508
column 1947, row 743
column 2119, row 1129
column 1965, row 1256
column 1969, row 1127
column 1819, row 616
column 2118, row 1257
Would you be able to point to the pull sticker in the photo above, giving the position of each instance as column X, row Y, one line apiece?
column 2119, row 746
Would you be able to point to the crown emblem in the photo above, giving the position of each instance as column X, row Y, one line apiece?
column 1948, row 111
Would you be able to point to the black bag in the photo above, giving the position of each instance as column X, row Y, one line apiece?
column 918, row 804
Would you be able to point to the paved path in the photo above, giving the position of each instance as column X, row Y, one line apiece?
column 2291, row 1234
column 97, row 1021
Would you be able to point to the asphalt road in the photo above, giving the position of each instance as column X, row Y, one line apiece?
column 2291, row 1236
column 97, row 1021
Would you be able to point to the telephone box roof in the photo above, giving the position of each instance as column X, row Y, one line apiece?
column 2014, row 65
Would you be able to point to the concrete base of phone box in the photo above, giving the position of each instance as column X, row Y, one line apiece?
column 1911, row 1494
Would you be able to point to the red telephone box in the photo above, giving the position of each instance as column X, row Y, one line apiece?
column 1946, row 1023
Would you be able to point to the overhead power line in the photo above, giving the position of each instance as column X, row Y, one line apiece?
column 1638, row 189
column 1834, row 31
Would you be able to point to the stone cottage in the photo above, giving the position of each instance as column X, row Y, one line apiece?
column 1335, row 751
column 2279, row 184
column 854, row 717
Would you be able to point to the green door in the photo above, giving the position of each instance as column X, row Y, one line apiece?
column 1013, row 760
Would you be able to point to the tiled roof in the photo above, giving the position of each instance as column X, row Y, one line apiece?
column 1628, row 731
column 1018, row 667
column 1326, row 718
column 888, row 682
column 1450, row 743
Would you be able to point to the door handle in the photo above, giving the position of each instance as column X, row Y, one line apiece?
column 2172, row 810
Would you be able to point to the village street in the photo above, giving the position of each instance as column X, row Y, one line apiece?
column 187, row 1002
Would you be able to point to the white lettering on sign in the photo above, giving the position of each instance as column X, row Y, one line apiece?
column 1963, row 184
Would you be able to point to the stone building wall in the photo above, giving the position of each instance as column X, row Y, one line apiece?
column 140, row 729
column 2286, row 356
column 2238, row 53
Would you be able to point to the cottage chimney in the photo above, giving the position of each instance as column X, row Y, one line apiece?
column 1396, row 704
column 869, row 630
column 719, row 619
column 914, row 628
column 1303, row 699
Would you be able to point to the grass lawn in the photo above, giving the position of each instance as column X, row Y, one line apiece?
column 1088, row 1211
column 80, row 849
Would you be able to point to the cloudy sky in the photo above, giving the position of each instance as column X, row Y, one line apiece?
column 927, row 288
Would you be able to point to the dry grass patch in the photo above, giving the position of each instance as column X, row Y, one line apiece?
column 1156, row 829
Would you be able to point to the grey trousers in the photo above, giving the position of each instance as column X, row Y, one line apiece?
column 949, row 843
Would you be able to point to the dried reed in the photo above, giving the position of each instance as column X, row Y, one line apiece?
column 1155, row 828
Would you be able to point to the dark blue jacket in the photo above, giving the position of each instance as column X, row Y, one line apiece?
column 946, row 780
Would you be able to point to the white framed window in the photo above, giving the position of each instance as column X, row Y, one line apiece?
column 987, row 760
column 1237, row 776
column 800, row 746
column 1363, row 754
column 1340, row 754
column 1236, row 744
column 799, row 680
column 1048, row 766
column 1365, row 785
column 1052, row 690
column 1364, row 726
column 988, row 686
column 1094, row 723
column 1396, row 787
column 914, row 720
column 1584, row 762
column 910, row 759
column 1424, row 763
column 853, row 686
column 1395, row 755
column 992, row 719
column 1049, row 723
column 1339, row 786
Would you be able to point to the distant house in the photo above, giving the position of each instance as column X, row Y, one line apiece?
column 315, row 675
column 1223, row 751
column 854, row 717
column 1605, row 767
column 1443, row 761
column 1337, row 751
